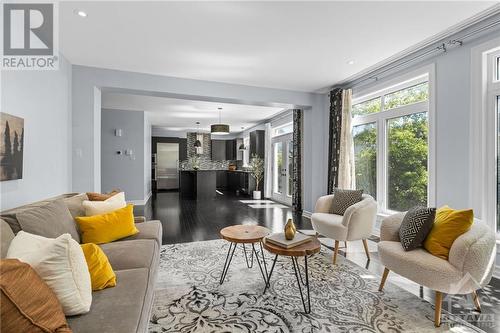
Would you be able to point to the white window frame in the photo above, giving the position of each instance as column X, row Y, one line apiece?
column 274, row 129
column 426, row 73
column 483, row 142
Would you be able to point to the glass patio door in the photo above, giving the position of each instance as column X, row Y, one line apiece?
column 282, row 169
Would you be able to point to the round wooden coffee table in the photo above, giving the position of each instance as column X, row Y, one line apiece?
column 303, row 250
column 244, row 234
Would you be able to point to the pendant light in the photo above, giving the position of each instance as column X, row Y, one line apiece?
column 219, row 129
column 197, row 143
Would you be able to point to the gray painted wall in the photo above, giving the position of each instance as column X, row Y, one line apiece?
column 43, row 99
column 124, row 172
column 147, row 157
column 88, row 83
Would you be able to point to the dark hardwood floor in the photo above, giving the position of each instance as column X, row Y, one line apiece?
column 185, row 220
column 190, row 220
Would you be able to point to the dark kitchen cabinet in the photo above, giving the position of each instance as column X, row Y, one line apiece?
column 222, row 180
column 183, row 149
column 218, row 150
column 231, row 150
column 257, row 143
column 233, row 181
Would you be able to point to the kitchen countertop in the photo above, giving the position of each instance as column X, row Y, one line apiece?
column 192, row 170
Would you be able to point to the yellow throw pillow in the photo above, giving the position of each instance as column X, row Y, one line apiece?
column 101, row 272
column 449, row 224
column 108, row 227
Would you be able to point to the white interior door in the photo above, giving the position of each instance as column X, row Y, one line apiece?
column 282, row 168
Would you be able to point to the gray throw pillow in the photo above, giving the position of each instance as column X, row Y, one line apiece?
column 50, row 220
column 343, row 199
column 75, row 204
column 415, row 226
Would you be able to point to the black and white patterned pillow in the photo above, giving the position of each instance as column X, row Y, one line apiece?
column 415, row 226
column 343, row 199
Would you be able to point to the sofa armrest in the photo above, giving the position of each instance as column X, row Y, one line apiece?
column 474, row 253
column 360, row 218
column 139, row 219
column 389, row 230
column 324, row 204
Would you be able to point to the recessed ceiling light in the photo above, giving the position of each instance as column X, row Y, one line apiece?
column 350, row 62
column 80, row 13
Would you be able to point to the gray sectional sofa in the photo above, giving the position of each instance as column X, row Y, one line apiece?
column 124, row 308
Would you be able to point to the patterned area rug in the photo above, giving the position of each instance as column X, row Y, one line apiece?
column 344, row 297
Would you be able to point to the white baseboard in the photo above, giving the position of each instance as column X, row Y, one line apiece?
column 306, row 213
column 141, row 202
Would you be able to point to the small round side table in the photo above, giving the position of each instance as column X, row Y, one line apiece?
column 311, row 247
column 244, row 234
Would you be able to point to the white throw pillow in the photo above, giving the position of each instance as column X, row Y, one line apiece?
column 92, row 208
column 60, row 262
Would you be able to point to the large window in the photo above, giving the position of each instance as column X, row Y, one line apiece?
column 391, row 144
column 365, row 157
column 407, row 161
column 484, row 184
column 493, row 88
column 498, row 160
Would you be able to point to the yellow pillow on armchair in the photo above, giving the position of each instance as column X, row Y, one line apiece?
column 101, row 273
column 105, row 228
column 449, row 224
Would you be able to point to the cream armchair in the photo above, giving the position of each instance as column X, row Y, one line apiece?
column 356, row 223
column 469, row 267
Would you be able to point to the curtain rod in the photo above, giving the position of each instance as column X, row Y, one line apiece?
column 442, row 47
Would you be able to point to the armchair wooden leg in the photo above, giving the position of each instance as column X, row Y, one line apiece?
column 384, row 277
column 475, row 298
column 437, row 312
column 365, row 244
column 335, row 252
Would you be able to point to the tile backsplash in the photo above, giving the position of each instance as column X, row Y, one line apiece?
column 205, row 152
column 207, row 164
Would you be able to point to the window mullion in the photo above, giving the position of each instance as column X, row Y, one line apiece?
column 381, row 185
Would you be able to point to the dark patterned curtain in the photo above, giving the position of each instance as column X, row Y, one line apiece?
column 334, row 138
column 297, row 160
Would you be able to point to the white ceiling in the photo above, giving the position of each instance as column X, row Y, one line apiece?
column 180, row 115
column 290, row 45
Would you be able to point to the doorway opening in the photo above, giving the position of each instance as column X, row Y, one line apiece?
column 282, row 164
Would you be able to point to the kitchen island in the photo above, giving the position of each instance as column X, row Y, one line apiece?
column 198, row 184
column 202, row 184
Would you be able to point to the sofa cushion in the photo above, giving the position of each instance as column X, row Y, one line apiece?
column 6, row 236
column 101, row 273
column 448, row 226
column 343, row 199
column 93, row 196
column 111, row 204
column 105, row 228
column 28, row 304
column 416, row 226
column 122, row 309
column 9, row 215
column 61, row 264
column 147, row 230
column 50, row 220
column 75, row 204
column 138, row 253
column 419, row 266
